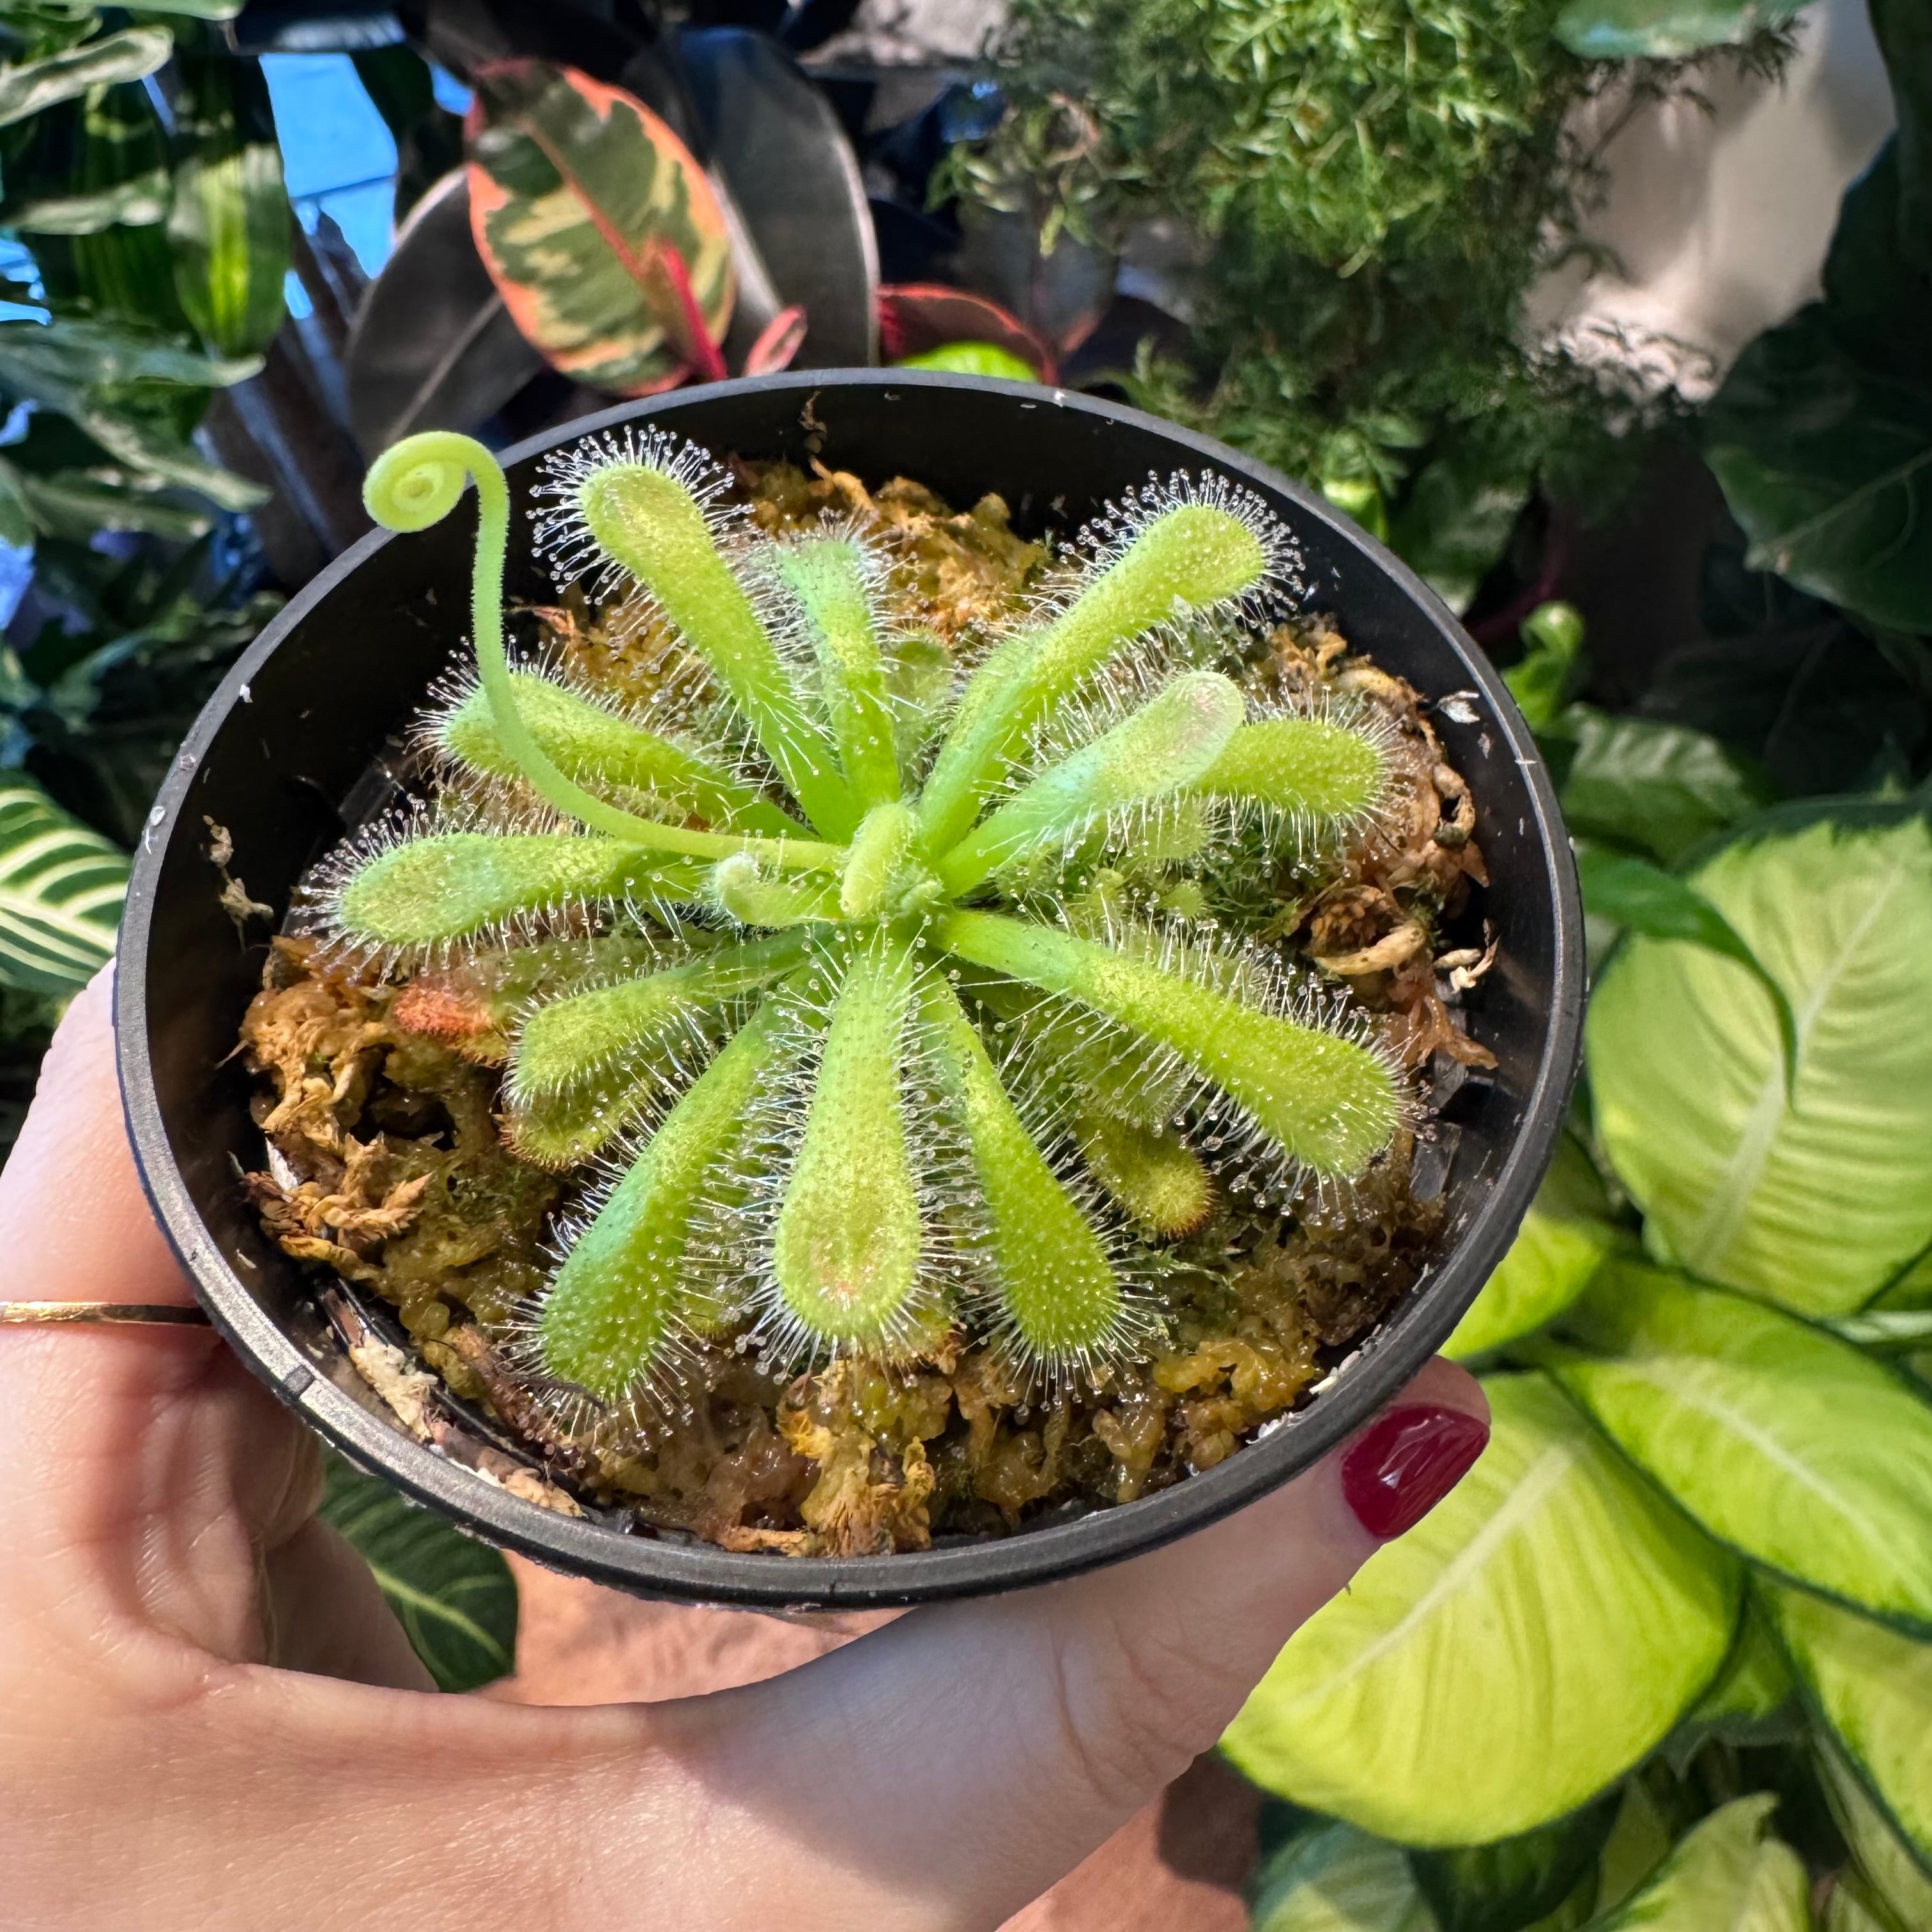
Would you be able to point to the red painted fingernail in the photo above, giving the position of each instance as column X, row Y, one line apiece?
column 1406, row 1461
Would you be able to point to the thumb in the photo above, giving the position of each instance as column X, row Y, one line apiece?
column 981, row 1750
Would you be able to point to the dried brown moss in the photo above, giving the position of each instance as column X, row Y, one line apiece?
column 390, row 1171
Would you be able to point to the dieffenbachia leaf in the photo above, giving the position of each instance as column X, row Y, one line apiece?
column 1565, row 1235
column 1527, row 1880
column 1335, row 1879
column 601, row 232
column 1897, row 1883
column 1730, row 1873
column 1872, row 1688
column 1642, row 898
column 61, row 889
column 1397, row 1706
column 454, row 1597
column 1792, row 1446
column 1641, row 784
column 1811, row 1193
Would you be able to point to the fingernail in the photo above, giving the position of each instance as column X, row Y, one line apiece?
column 1406, row 1462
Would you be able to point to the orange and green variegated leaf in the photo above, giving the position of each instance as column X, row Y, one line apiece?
column 601, row 232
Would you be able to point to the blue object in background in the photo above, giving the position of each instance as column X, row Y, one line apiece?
column 338, row 157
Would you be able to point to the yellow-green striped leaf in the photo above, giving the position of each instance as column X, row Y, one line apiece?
column 454, row 1596
column 600, row 230
column 1532, row 1638
column 1873, row 1688
column 61, row 889
column 1788, row 1444
column 1812, row 1196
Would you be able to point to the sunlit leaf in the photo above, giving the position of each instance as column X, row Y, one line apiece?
column 601, row 231
column 230, row 226
column 33, row 86
column 1538, row 1632
column 1812, row 1196
column 454, row 1596
column 1790, row 1445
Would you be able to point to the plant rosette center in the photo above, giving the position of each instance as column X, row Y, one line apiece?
column 892, row 991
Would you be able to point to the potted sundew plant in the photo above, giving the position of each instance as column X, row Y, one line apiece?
column 874, row 1033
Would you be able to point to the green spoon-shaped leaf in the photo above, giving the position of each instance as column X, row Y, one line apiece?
column 1056, row 1286
column 626, row 1292
column 451, row 885
column 846, row 1245
column 647, row 519
column 1872, row 1688
column 1302, row 767
column 1157, row 1180
column 1537, row 1634
column 1169, row 743
column 1328, row 1102
column 1189, row 558
column 828, row 577
column 583, row 1064
column 1728, row 1875
column 593, row 745
column 1564, row 1235
column 1814, row 1197
column 1788, row 1444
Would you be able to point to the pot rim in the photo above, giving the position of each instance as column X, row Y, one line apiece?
column 700, row 1572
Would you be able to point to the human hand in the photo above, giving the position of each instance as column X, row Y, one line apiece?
column 209, row 1719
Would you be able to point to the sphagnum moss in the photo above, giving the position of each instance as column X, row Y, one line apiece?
column 897, row 1069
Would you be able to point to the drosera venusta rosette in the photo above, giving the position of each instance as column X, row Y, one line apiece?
column 902, row 1007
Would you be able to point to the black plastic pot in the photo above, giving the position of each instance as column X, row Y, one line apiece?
column 279, row 753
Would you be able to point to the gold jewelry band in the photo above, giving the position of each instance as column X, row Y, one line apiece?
column 131, row 1314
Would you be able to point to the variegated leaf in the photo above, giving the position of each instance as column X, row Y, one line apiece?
column 61, row 889
column 601, row 231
